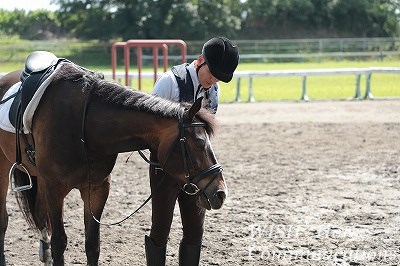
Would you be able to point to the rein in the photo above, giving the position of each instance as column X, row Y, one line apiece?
column 86, row 104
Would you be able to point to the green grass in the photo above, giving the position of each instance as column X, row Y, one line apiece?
column 96, row 56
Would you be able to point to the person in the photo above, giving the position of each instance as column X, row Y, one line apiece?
column 186, row 82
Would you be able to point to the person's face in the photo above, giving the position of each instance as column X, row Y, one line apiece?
column 206, row 79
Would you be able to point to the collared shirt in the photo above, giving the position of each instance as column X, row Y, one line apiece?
column 167, row 86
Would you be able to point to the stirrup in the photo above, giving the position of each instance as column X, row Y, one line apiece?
column 11, row 173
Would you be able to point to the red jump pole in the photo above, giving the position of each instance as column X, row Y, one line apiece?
column 155, row 44
column 114, row 47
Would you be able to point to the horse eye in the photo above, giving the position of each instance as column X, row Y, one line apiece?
column 200, row 143
column 200, row 140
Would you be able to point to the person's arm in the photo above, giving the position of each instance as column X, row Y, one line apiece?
column 167, row 87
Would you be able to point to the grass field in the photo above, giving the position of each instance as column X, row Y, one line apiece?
column 96, row 57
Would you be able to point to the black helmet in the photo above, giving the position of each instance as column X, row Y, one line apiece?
column 222, row 57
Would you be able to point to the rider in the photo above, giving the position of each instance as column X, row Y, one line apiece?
column 186, row 82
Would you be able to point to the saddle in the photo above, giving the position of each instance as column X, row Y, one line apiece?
column 38, row 66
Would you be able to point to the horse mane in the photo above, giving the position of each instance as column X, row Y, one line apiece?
column 127, row 98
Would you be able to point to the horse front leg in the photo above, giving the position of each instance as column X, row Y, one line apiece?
column 58, row 242
column 94, row 202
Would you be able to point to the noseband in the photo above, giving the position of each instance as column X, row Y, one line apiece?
column 190, row 187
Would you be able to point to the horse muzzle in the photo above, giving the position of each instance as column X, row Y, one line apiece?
column 214, row 195
column 214, row 201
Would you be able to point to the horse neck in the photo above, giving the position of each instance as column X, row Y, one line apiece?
column 154, row 130
column 116, row 131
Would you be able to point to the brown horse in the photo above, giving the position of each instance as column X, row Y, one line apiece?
column 79, row 127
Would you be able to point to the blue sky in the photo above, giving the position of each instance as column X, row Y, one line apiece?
column 26, row 4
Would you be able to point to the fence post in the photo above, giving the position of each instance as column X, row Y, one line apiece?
column 357, row 96
column 368, row 93
column 251, row 96
column 304, row 96
column 238, row 98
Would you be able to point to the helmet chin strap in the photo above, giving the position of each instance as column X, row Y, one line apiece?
column 198, row 68
column 197, row 72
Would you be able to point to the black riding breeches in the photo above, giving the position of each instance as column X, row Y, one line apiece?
column 165, row 191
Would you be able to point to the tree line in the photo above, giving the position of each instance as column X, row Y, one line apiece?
column 199, row 19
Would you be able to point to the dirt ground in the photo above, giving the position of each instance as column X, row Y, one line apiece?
column 313, row 183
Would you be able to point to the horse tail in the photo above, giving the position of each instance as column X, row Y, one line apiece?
column 27, row 198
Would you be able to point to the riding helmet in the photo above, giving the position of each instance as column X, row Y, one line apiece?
column 221, row 57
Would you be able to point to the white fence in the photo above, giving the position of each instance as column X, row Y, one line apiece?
column 303, row 73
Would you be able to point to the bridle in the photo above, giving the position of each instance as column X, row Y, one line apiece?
column 190, row 187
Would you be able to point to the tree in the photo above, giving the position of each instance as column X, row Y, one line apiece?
column 12, row 21
column 183, row 22
column 86, row 19
column 32, row 25
column 321, row 18
column 150, row 19
column 366, row 18
column 201, row 19
column 218, row 18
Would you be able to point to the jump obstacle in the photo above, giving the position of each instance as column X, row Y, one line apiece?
column 139, row 45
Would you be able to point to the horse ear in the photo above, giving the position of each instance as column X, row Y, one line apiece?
column 189, row 115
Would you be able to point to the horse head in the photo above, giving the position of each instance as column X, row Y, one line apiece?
column 191, row 158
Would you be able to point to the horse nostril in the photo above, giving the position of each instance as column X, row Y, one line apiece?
column 220, row 194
